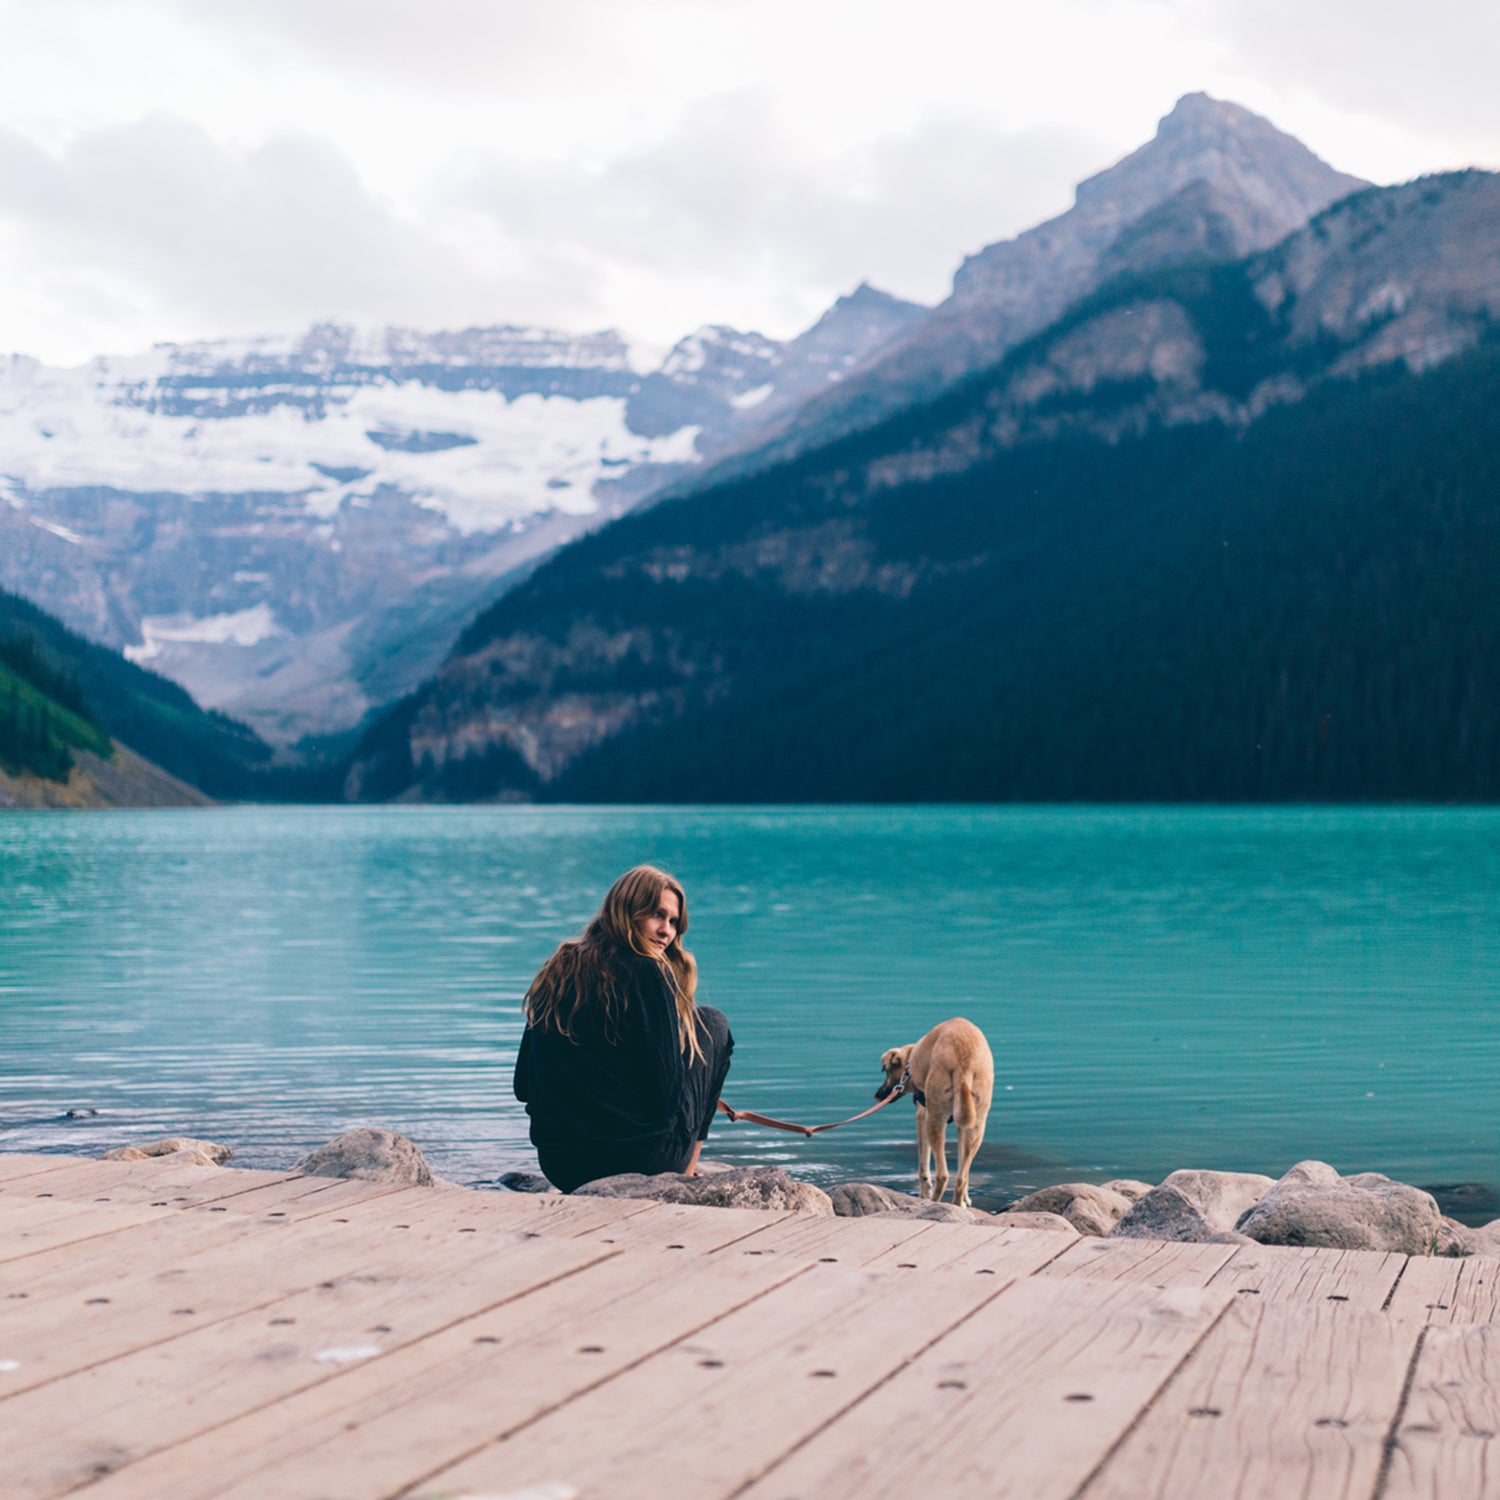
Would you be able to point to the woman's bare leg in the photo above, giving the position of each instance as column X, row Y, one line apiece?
column 691, row 1170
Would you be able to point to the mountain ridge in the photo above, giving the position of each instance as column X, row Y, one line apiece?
column 656, row 620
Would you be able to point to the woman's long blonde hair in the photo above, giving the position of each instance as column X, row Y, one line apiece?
column 582, row 975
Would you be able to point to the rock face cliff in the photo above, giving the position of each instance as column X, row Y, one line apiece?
column 778, row 596
column 296, row 529
column 1217, row 182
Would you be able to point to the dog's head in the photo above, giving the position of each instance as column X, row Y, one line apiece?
column 894, row 1062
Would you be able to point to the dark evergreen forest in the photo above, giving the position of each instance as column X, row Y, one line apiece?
column 1305, row 610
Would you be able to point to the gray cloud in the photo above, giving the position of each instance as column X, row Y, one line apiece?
column 730, row 193
column 1429, row 68
column 282, row 233
column 520, row 45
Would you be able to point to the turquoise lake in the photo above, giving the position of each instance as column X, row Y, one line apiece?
column 1162, row 987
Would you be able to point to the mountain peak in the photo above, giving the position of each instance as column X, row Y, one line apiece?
column 1280, row 182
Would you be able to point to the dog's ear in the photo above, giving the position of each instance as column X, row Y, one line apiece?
column 895, row 1058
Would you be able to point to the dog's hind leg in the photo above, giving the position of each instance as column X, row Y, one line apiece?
column 970, row 1138
column 970, row 1124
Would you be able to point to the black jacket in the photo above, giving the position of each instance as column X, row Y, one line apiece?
column 589, row 1090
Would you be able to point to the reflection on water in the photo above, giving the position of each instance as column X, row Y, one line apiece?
column 1162, row 988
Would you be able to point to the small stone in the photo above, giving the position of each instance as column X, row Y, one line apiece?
column 369, row 1154
column 1487, row 1238
column 853, row 1200
column 1454, row 1239
column 1029, row 1220
column 213, row 1154
column 744, row 1187
column 524, row 1182
column 1128, row 1187
column 942, row 1213
column 1089, row 1209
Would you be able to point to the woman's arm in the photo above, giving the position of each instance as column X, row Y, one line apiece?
column 663, row 1076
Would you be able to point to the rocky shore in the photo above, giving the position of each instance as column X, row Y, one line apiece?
column 1311, row 1204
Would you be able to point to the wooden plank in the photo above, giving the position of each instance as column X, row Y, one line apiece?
column 29, row 1227
column 104, row 1257
column 708, row 1414
column 849, row 1242
column 1278, row 1400
column 1023, row 1399
column 143, row 1181
column 958, row 1249
column 463, row 1209
column 383, row 1425
column 76, row 1428
column 1435, row 1289
column 690, row 1229
column 1447, row 1443
column 1158, row 1263
column 1359, row 1279
column 16, row 1166
column 75, row 1317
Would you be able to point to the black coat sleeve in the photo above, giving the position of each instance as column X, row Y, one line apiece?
column 658, row 1042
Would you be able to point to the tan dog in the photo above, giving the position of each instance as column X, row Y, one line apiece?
column 953, row 1074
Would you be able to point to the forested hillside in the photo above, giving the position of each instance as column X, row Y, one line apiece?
column 1304, row 609
column 59, row 693
column 1305, row 612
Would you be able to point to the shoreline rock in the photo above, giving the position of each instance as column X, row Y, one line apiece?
column 1311, row 1204
column 766, row 1188
column 370, row 1154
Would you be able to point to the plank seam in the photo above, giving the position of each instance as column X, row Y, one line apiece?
column 98, row 1234
column 1388, row 1448
column 1390, row 1296
column 595, row 1385
column 1156, row 1396
column 865, row 1395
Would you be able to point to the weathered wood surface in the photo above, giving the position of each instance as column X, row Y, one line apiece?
column 170, row 1332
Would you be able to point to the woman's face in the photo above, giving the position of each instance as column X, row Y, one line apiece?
column 658, row 927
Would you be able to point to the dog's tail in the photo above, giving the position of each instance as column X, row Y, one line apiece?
column 965, row 1111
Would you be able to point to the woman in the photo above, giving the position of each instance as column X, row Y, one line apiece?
column 619, row 1068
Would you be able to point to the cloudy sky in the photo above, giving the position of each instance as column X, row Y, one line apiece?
column 176, row 169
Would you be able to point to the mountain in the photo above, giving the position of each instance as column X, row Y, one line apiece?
column 1217, row 182
column 296, row 529
column 1223, row 529
column 66, row 702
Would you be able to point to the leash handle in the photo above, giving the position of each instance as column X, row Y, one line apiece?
column 808, row 1131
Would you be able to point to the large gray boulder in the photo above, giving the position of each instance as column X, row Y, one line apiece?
column 1193, row 1206
column 1313, row 1205
column 184, row 1149
column 742, row 1187
column 370, row 1154
column 1089, row 1209
column 855, row 1200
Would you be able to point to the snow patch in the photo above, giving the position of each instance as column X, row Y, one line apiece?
column 55, row 529
column 245, row 627
column 746, row 399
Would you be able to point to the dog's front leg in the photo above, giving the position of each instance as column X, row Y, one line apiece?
column 937, row 1143
column 924, row 1156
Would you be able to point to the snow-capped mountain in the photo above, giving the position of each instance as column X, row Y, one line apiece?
column 296, row 528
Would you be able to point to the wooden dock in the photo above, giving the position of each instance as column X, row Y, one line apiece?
column 169, row 1332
